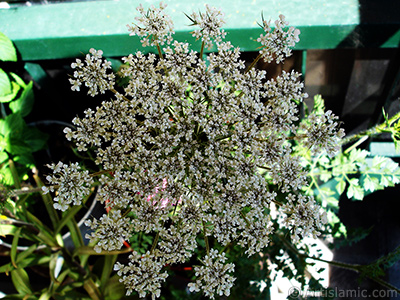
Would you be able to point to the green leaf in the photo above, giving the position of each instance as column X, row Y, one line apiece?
column 355, row 191
column 25, row 159
column 7, row 49
column 28, row 261
column 340, row 187
column 21, row 282
column 14, row 245
column 24, row 103
column 358, row 155
column 18, row 80
column 319, row 105
column 339, row 229
column 48, row 203
column 13, row 125
column 8, row 229
column 3, row 157
column 55, row 260
column 16, row 146
column 6, row 177
column 114, row 289
column 8, row 89
column 14, row 91
column 371, row 184
column 22, row 256
column 35, row 138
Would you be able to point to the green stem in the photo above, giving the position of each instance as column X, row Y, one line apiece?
column 372, row 131
column 14, row 173
column 245, row 219
column 359, row 142
column 92, row 289
column 253, row 63
column 116, row 92
column 206, row 238
column 354, row 267
column 160, row 52
column 385, row 284
column 155, row 242
column 100, row 173
column 202, row 50
column 26, row 191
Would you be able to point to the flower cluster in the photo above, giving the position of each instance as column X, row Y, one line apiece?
column 196, row 147
column 157, row 27
column 213, row 276
column 278, row 42
column 321, row 132
column 110, row 231
column 142, row 274
column 303, row 217
column 72, row 183
column 210, row 24
column 93, row 73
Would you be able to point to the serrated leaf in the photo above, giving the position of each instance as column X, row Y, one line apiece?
column 319, row 105
column 336, row 224
column 354, row 181
column 356, row 192
column 24, row 103
column 11, row 96
column 6, row 177
column 371, row 184
column 7, row 49
column 325, row 175
column 358, row 155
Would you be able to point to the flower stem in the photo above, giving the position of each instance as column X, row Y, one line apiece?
column 202, row 50
column 116, row 92
column 253, row 63
column 155, row 241
column 206, row 238
column 160, row 52
column 354, row 267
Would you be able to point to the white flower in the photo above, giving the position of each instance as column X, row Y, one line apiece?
column 277, row 43
column 321, row 133
column 110, row 231
column 210, row 24
column 213, row 277
column 142, row 274
column 155, row 26
column 73, row 184
column 92, row 73
column 303, row 217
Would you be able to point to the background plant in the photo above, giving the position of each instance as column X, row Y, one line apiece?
column 17, row 140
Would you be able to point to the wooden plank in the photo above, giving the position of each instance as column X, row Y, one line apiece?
column 66, row 29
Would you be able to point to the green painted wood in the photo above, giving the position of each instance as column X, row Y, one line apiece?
column 383, row 149
column 65, row 30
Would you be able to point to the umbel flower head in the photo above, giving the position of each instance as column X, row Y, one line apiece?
column 195, row 147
